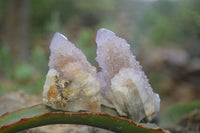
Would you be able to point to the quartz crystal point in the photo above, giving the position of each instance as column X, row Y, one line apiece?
column 124, row 85
column 71, row 83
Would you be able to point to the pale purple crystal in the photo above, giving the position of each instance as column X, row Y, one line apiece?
column 123, row 83
column 64, row 54
column 71, row 83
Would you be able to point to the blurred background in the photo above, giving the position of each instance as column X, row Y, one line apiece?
column 163, row 34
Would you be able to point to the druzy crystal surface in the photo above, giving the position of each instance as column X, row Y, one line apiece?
column 124, row 85
column 71, row 83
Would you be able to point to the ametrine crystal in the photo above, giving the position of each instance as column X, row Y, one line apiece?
column 124, row 85
column 71, row 83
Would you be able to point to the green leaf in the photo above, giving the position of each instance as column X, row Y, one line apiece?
column 171, row 116
column 40, row 115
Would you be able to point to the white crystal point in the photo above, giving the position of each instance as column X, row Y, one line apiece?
column 57, row 38
column 123, row 83
column 71, row 83
column 103, row 35
column 63, row 53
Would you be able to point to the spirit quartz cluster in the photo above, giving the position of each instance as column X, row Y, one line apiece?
column 73, row 85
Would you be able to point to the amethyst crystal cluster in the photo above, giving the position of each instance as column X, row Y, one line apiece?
column 72, row 83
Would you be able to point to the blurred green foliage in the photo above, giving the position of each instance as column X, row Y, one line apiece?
column 5, row 60
column 23, row 72
column 29, row 77
column 168, row 21
column 173, row 114
column 84, row 43
column 43, row 12
column 39, row 59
